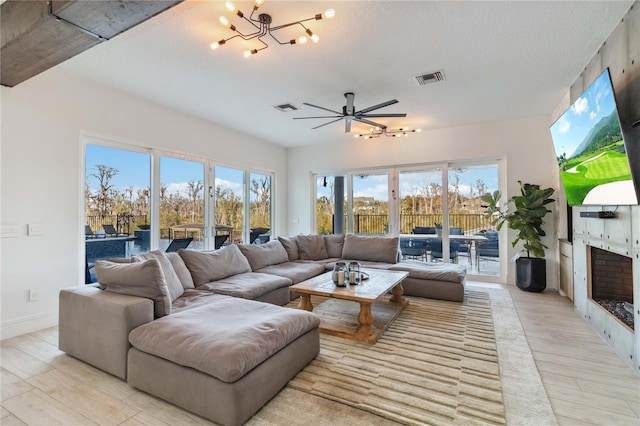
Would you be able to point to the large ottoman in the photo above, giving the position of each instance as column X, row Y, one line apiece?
column 223, row 360
column 444, row 281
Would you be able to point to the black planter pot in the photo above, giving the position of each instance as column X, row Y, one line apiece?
column 531, row 273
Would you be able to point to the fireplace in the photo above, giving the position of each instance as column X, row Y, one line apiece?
column 610, row 284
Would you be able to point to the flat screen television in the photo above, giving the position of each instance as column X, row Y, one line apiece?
column 590, row 149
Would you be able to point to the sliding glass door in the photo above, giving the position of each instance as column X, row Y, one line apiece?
column 370, row 203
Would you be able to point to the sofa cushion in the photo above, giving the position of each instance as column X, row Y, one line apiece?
column 207, row 266
column 250, row 285
column 181, row 270
column 291, row 247
column 263, row 255
column 376, row 249
column 170, row 276
column 226, row 338
column 311, row 247
column 334, row 244
column 142, row 279
column 295, row 271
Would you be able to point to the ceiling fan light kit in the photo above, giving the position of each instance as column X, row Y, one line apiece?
column 392, row 133
column 264, row 28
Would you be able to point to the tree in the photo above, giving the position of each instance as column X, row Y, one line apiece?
column 103, row 198
column 194, row 188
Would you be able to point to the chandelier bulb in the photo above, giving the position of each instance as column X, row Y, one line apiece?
column 301, row 40
column 248, row 53
column 217, row 44
column 257, row 4
column 329, row 14
column 417, row 130
column 230, row 7
column 315, row 38
column 224, row 21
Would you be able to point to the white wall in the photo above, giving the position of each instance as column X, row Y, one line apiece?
column 524, row 146
column 42, row 120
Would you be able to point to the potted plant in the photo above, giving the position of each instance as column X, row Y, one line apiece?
column 526, row 217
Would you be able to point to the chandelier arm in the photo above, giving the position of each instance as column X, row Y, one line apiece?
column 279, row 27
column 276, row 39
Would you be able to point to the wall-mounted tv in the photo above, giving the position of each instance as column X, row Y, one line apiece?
column 591, row 152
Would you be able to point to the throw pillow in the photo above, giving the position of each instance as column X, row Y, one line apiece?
column 142, row 279
column 207, row 266
column 334, row 244
column 181, row 270
column 311, row 247
column 290, row 245
column 173, row 282
column 263, row 255
column 374, row 249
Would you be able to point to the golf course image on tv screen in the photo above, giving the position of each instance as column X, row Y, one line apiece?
column 591, row 154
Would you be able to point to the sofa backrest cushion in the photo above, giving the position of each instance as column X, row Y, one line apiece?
column 207, row 266
column 290, row 245
column 261, row 255
column 170, row 276
column 181, row 270
column 311, row 247
column 334, row 244
column 375, row 249
column 142, row 279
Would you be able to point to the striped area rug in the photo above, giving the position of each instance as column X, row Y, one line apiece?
column 436, row 364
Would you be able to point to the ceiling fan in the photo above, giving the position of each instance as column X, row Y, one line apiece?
column 350, row 114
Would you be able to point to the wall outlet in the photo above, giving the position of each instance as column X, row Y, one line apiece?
column 34, row 295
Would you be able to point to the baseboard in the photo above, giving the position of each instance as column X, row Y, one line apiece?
column 28, row 324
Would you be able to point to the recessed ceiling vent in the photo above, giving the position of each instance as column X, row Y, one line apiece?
column 432, row 77
column 285, row 108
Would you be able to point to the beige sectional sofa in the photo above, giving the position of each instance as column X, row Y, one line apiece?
column 193, row 327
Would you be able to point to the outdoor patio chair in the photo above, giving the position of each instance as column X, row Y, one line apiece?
column 110, row 231
column 178, row 243
column 465, row 245
column 413, row 249
column 424, row 230
column 487, row 250
column 220, row 240
column 435, row 246
column 88, row 232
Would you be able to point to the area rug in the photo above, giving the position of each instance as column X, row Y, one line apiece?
column 438, row 363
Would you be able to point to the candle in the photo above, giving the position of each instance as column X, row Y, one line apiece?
column 341, row 277
column 352, row 277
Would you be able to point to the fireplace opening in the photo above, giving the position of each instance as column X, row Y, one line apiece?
column 611, row 284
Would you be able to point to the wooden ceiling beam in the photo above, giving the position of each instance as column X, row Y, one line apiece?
column 33, row 40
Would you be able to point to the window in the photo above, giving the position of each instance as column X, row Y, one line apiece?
column 229, row 202
column 440, row 201
column 182, row 208
column 117, row 202
column 260, row 208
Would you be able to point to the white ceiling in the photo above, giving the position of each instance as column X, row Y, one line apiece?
column 501, row 60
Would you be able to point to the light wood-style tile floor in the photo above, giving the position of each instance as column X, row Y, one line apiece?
column 586, row 381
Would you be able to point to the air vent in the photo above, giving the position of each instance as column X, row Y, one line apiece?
column 285, row 108
column 432, row 77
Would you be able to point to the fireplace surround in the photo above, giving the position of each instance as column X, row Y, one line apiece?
column 606, row 277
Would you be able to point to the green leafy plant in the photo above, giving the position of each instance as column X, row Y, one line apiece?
column 525, row 216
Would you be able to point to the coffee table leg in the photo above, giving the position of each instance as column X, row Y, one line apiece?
column 365, row 317
column 397, row 292
column 305, row 302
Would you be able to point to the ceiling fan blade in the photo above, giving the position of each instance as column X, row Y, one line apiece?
column 369, row 122
column 347, row 124
column 319, row 107
column 325, row 116
column 382, row 105
column 381, row 115
column 332, row 121
column 349, row 109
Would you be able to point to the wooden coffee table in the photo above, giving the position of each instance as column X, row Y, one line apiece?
column 338, row 315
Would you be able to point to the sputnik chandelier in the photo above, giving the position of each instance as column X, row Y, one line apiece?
column 264, row 28
column 379, row 131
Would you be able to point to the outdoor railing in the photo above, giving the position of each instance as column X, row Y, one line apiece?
column 124, row 223
column 379, row 224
